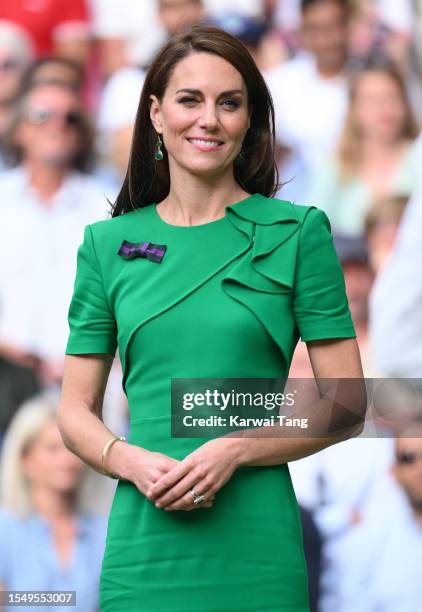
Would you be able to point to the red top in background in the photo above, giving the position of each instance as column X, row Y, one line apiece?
column 45, row 20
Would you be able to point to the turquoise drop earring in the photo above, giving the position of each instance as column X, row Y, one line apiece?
column 158, row 152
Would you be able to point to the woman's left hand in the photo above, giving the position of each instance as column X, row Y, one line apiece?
column 205, row 470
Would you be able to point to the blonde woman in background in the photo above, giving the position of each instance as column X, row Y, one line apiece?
column 381, row 226
column 375, row 157
column 48, row 540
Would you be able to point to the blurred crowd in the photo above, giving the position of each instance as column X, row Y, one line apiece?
column 346, row 82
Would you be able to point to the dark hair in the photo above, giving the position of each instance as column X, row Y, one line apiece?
column 84, row 159
column 148, row 181
column 305, row 4
column 30, row 77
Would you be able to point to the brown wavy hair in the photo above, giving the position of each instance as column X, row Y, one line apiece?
column 349, row 148
column 148, row 181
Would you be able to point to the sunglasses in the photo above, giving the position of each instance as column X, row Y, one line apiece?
column 408, row 457
column 40, row 116
column 9, row 64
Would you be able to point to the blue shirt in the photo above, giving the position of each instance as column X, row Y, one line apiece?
column 29, row 560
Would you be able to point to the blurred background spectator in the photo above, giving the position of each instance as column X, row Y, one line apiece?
column 381, row 225
column 346, row 80
column 359, row 277
column 46, row 201
column 16, row 54
column 261, row 39
column 396, row 299
column 335, row 486
column 312, row 542
column 375, row 156
column 53, row 69
column 310, row 92
column 50, row 541
column 130, row 33
column 385, row 555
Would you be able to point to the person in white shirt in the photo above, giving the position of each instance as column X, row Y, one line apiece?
column 286, row 15
column 398, row 15
column 115, row 119
column 131, row 33
column 335, row 486
column 46, row 201
column 381, row 565
column 128, row 33
column 310, row 92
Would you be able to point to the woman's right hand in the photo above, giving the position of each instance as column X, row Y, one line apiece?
column 144, row 468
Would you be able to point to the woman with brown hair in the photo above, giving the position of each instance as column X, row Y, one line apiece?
column 375, row 156
column 202, row 273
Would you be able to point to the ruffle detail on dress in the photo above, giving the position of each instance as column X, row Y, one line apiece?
column 263, row 278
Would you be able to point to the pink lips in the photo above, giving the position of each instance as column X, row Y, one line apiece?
column 217, row 144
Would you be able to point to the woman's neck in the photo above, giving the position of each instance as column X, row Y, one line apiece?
column 193, row 201
column 51, row 505
column 372, row 148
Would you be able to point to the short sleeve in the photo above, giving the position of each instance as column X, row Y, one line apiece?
column 320, row 303
column 92, row 325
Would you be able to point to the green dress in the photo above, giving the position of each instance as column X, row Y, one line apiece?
column 230, row 298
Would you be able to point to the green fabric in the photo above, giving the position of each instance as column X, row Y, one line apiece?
column 229, row 299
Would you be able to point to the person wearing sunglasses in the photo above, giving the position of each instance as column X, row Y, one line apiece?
column 47, row 198
column 385, row 561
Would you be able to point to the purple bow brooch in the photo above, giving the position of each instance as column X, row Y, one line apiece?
column 153, row 252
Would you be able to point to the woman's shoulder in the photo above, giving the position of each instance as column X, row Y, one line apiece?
column 299, row 210
column 106, row 228
column 304, row 221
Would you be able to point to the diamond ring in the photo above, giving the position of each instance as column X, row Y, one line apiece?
column 197, row 499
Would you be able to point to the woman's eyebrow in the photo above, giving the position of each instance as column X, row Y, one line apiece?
column 197, row 92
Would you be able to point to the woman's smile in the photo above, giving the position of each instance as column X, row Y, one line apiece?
column 206, row 144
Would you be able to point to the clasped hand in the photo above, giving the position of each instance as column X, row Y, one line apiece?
column 205, row 470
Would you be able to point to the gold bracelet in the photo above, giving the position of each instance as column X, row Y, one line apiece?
column 104, row 455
